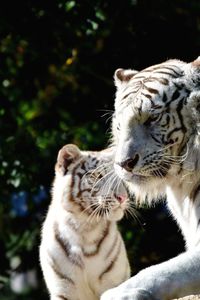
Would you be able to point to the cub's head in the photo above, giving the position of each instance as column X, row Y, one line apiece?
column 88, row 185
column 156, row 124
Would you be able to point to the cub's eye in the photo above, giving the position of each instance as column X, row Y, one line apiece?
column 94, row 178
column 91, row 178
column 152, row 119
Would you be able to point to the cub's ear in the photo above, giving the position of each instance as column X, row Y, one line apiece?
column 66, row 156
column 123, row 76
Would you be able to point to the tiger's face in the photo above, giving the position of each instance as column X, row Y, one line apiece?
column 154, row 122
column 90, row 186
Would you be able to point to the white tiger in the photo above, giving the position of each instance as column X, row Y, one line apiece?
column 82, row 253
column 156, row 131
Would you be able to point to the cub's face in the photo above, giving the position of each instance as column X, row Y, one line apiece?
column 152, row 124
column 91, row 184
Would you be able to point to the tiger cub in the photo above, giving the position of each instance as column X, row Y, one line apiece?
column 82, row 253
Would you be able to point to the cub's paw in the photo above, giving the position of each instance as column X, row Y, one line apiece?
column 132, row 294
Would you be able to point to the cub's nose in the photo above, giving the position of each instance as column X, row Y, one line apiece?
column 129, row 163
column 121, row 198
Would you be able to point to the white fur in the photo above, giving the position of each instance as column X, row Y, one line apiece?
column 81, row 234
column 179, row 276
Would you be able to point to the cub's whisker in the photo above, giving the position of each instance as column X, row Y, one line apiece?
column 97, row 181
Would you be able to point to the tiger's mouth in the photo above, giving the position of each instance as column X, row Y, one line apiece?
column 129, row 176
column 139, row 177
column 159, row 172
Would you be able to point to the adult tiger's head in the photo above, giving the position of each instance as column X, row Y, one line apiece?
column 156, row 124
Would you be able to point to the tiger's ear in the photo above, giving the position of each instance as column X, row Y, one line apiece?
column 121, row 76
column 66, row 156
column 196, row 62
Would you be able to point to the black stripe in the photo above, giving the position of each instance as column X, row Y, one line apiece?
column 179, row 86
column 62, row 297
column 71, row 198
column 124, row 97
column 98, row 242
column 151, row 90
column 74, row 258
column 172, row 131
column 140, row 107
column 148, row 155
column 111, row 264
column 155, row 139
column 113, row 245
column 162, row 170
column 180, row 168
column 195, row 192
column 183, row 128
column 171, row 68
column 175, row 95
column 55, row 268
column 166, row 73
column 164, row 99
column 147, row 96
column 161, row 80
column 179, row 108
column 168, row 67
column 174, row 119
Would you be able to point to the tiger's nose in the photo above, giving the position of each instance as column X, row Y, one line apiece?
column 129, row 163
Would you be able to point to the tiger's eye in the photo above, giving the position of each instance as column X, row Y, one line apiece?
column 152, row 119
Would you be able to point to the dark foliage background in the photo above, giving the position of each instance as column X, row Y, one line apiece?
column 57, row 60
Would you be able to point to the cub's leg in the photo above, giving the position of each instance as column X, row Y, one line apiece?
column 59, row 276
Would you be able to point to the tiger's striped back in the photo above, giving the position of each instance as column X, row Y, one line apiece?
column 82, row 253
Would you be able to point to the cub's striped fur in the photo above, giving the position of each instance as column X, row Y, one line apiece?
column 82, row 253
column 156, row 131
